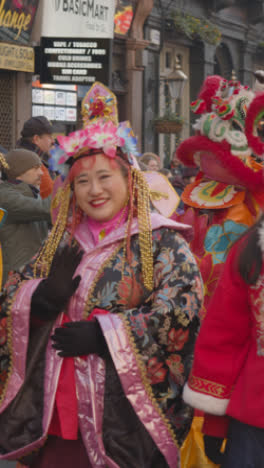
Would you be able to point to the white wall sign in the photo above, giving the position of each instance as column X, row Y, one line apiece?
column 84, row 18
column 37, row 96
column 155, row 36
column 56, row 102
column 71, row 114
column 37, row 110
column 61, row 98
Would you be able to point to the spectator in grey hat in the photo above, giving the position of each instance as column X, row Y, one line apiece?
column 28, row 215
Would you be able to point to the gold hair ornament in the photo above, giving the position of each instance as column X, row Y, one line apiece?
column 44, row 260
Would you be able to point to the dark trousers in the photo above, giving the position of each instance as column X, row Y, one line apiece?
column 245, row 446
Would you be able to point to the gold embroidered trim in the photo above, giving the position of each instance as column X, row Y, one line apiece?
column 51, row 244
column 210, row 388
column 9, row 340
column 156, row 196
column 89, row 305
column 32, row 451
column 145, row 380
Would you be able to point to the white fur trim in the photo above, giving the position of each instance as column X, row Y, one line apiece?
column 261, row 237
column 203, row 402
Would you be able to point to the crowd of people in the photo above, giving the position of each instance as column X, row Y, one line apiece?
column 107, row 273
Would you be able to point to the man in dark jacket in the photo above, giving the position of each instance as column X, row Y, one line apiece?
column 28, row 215
column 36, row 135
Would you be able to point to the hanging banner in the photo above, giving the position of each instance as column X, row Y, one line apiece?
column 123, row 16
column 78, row 18
column 16, row 20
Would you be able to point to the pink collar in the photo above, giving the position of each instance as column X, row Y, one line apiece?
column 100, row 229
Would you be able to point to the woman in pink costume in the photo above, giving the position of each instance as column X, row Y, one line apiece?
column 97, row 336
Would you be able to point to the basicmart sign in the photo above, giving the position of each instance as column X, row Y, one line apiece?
column 88, row 8
column 79, row 18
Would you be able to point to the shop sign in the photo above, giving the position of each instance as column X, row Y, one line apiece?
column 15, row 57
column 56, row 102
column 16, row 20
column 80, row 18
column 74, row 61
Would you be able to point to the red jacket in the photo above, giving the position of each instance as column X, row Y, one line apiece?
column 228, row 370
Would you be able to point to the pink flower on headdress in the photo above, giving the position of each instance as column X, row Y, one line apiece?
column 73, row 142
column 96, row 107
column 104, row 135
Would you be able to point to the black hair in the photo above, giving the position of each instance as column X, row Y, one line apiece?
column 250, row 256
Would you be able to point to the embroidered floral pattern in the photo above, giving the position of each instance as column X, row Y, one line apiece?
column 163, row 324
column 219, row 238
column 177, row 339
column 176, row 367
column 156, row 371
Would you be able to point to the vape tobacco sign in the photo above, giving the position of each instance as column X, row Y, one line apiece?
column 74, row 61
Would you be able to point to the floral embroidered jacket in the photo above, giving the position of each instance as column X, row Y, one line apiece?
column 219, row 214
column 150, row 336
column 227, row 374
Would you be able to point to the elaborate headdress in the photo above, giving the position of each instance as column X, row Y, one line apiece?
column 102, row 133
column 226, row 136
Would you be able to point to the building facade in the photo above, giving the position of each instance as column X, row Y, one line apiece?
column 208, row 37
column 16, row 67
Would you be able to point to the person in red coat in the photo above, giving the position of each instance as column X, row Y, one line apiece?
column 227, row 377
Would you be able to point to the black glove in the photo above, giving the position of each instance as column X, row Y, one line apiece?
column 53, row 293
column 212, row 447
column 79, row 339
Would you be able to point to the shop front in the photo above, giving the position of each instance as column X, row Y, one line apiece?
column 16, row 67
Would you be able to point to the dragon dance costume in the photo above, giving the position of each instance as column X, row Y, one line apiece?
column 226, row 197
column 142, row 285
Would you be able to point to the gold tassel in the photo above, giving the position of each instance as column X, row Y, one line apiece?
column 145, row 228
column 47, row 253
column 3, row 162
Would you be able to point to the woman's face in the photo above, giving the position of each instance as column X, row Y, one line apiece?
column 101, row 190
column 153, row 165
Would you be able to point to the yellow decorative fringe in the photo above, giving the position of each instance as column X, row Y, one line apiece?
column 144, row 226
column 46, row 255
column 3, row 162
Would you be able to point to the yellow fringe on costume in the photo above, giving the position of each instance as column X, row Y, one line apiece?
column 192, row 451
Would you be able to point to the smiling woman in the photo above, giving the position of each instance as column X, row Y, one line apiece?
column 118, row 286
column 95, row 188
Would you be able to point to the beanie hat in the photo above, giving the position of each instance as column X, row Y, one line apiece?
column 36, row 126
column 20, row 161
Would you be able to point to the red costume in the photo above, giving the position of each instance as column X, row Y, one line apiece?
column 227, row 374
column 221, row 203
